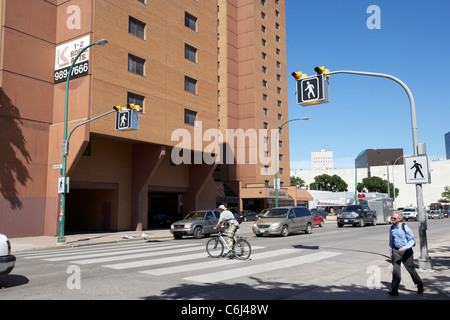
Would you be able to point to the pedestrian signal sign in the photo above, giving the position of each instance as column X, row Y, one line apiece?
column 417, row 170
column 127, row 120
column 312, row 90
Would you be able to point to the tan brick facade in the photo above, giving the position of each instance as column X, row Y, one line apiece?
column 121, row 180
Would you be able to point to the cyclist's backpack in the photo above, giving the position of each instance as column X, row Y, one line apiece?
column 237, row 218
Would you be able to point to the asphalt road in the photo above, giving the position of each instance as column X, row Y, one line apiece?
column 330, row 263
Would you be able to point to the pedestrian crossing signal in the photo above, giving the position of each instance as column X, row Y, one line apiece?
column 312, row 90
column 127, row 119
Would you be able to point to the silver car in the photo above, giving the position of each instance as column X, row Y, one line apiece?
column 196, row 223
column 283, row 221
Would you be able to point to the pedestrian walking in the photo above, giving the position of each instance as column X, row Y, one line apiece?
column 401, row 241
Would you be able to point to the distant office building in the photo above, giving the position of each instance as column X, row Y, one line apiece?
column 322, row 160
column 378, row 157
column 447, row 145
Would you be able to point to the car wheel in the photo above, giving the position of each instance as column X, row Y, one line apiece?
column 308, row 229
column 284, row 231
column 321, row 224
column 361, row 222
column 374, row 221
column 198, row 233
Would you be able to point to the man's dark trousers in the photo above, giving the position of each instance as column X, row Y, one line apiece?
column 407, row 258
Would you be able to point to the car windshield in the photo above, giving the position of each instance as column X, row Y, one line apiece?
column 409, row 210
column 195, row 215
column 353, row 208
column 276, row 213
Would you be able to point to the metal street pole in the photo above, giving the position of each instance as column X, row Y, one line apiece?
column 276, row 156
column 61, row 238
column 424, row 259
column 393, row 180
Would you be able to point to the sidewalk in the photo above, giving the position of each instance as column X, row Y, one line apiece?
column 82, row 239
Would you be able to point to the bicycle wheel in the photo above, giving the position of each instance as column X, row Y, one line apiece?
column 214, row 247
column 242, row 249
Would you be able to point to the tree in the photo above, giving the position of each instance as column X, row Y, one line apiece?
column 298, row 182
column 445, row 195
column 376, row 184
column 329, row 183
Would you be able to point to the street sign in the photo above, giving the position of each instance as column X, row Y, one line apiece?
column 127, row 120
column 64, row 56
column 312, row 90
column 62, row 185
column 417, row 170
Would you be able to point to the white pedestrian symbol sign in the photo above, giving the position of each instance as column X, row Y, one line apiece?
column 310, row 89
column 123, row 120
column 417, row 170
column 127, row 120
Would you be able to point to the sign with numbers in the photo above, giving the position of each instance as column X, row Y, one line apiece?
column 64, row 57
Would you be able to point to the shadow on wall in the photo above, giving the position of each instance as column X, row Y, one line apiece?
column 12, row 142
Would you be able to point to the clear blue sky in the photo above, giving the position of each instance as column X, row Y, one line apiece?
column 413, row 45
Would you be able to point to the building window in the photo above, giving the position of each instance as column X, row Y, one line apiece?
column 136, row 28
column 265, row 111
column 136, row 65
column 190, row 85
column 190, row 53
column 136, row 99
column 190, row 117
column 190, row 21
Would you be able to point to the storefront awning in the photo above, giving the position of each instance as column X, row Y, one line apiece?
column 332, row 202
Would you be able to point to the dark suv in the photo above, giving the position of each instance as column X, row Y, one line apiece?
column 357, row 215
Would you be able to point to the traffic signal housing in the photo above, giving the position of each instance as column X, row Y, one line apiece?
column 134, row 107
column 322, row 70
column 117, row 108
column 298, row 75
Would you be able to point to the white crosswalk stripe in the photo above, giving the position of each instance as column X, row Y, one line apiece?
column 187, row 260
column 265, row 267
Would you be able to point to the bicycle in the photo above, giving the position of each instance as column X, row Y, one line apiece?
column 216, row 245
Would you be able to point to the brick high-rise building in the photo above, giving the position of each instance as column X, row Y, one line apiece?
column 193, row 65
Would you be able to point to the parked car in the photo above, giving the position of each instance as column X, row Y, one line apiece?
column 160, row 221
column 7, row 260
column 324, row 214
column 410, row 214
column 260, row 215
column 247, row 215
column 435, row 214
column 318, row 219
column 357, row 215
column 196, row 223
column 284, row 220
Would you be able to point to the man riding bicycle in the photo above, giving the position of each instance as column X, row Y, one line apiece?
column 227, row 216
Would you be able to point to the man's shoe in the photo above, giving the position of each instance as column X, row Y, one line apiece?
column 393, row 293
column 230, row 255
column 420, row 288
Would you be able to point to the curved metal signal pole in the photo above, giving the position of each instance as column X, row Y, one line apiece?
column 424, row 259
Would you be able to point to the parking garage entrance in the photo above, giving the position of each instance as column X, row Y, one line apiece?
column 164, row 208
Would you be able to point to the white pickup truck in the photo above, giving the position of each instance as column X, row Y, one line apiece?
column 7, row 260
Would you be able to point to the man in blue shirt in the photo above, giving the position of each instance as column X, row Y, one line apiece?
column 401, row 241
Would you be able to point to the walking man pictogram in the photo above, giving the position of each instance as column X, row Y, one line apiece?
column 310, row 89
column 418, row 166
